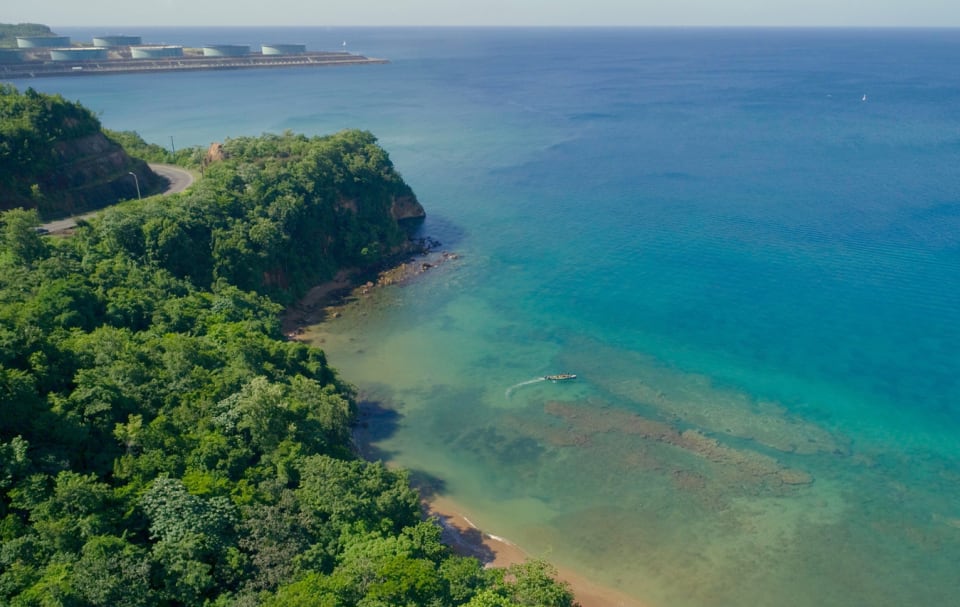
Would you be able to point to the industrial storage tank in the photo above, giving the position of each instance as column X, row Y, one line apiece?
column 86, row 53
column 109, row 41
column 283, row 49
column 10, row 55
column 42, row 41
column 156, row 52
column 226, row 50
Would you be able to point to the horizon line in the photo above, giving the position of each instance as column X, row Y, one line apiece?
column 530, row 26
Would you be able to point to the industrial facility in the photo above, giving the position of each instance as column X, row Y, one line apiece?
column 283, row 49
column 226, row 50
column 54, row 55
column 10, row 55
column 156, row 52
column 78, row 53
column 42, row 41
column 116, row 41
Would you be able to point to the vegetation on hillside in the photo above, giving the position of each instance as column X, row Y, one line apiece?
column 278, row 215
column 30, row 124
column 161, row 444
column 55, row 158
column 136, row 147
column 10, row 31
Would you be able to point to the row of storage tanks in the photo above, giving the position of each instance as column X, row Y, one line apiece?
column 60, row 49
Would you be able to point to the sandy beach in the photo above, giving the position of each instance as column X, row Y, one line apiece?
column 466, row 539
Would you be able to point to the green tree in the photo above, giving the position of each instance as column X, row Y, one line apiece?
column 275, row 535
column 196, row 537
column 22, row 242
column 112, row 572
column 534, row 584
column 66, row 510
column 377, row 569
column 175, row 514
column 20, row 403
column 359, row 494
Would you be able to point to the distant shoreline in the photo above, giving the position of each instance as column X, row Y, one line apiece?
column 180, row 64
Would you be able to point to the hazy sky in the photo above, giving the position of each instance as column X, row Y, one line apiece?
column 485, row 12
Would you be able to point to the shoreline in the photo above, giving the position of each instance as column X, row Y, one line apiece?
column 310, row 309
column 329, row 300
column 466, row 539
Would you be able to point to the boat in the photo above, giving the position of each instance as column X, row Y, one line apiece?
column 560, row 377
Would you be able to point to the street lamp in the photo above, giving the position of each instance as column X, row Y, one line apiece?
column 137, row 182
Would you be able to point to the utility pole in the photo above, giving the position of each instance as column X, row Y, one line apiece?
column 172, row 149
column 137, row 182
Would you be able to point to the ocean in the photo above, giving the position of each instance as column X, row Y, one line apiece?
column 745, row 243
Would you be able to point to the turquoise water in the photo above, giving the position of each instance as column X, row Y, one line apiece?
column 746, row 243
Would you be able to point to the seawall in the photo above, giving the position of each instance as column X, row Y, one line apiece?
column 126, row 66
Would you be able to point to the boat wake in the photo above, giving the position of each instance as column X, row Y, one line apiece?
column 514, row 387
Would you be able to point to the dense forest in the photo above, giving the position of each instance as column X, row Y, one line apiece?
column 161, row 444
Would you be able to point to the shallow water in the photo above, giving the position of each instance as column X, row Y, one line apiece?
column 663, row 483
column 753, row 272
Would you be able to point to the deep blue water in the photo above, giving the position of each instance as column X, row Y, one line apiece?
column 749, row 236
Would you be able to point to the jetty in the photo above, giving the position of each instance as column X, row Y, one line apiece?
column 123, row 65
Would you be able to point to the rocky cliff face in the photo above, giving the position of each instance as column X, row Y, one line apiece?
column 215, row 153
column 406, row 207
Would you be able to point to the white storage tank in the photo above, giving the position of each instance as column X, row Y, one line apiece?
column 115, row 41
column 10, row 55
column 42, row 41
column 86, row 53
column 155, row 52
column 283, row 49
column 226, row 50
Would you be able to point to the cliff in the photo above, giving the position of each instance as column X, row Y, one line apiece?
column 406, row 207
column 276, row 214
column 54, row 157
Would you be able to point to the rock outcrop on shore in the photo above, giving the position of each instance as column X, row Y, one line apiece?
column 406, row 207
column 328, row 299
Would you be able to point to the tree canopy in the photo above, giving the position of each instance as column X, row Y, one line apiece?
column 31, row 122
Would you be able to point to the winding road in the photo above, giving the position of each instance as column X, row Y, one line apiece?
column 179, row 179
